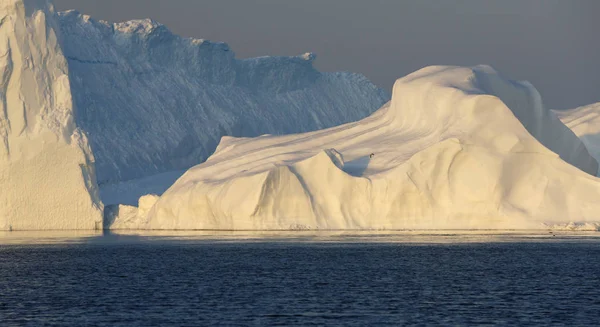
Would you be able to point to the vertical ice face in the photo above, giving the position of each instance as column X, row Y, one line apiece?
column 152, row 101
column 47, row 177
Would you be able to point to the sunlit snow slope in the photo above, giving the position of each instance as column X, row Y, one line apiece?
column 46, row 167
column 456, row 148
column 585, row 123
column 153, row 102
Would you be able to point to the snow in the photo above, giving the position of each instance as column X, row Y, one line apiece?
column 46, row 167
column 585, row 123
column 456, row 148
column 152, row 102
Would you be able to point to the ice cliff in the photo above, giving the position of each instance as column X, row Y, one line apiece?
column 152, row 102
column 456, row 148
column 46, row 166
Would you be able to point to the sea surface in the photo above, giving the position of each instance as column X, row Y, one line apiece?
column 300, row 279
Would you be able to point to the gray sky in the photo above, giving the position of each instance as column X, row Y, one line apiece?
column 555, row 44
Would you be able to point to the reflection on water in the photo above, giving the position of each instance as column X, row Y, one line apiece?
column 48, row 237
column 410, row 237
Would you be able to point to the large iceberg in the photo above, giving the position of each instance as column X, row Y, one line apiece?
column 153, row 102
column 456, row 148
column 46, row 166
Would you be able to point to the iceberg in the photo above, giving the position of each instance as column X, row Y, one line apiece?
column 47, row 177
column 153, row 102
column 455, row 148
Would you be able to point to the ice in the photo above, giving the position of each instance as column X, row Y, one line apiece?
column 46, row 167
column 153, row 102
column 129, row 192
column 121, row 216
column 456, row 148
column 585, row 122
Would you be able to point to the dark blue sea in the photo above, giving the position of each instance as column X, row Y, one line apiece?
column 300, row 279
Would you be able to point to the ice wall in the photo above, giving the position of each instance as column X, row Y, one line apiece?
column 153, row 102
column 46, row 167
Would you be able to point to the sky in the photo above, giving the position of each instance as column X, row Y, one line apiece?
column 554, row 44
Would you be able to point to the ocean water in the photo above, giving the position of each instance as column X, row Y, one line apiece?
column 302, row 279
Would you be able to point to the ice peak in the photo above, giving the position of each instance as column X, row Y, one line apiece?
column 76, row 13
column 139, row 26
column 309, row 56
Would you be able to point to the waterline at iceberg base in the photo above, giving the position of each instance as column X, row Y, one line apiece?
column 455, row 148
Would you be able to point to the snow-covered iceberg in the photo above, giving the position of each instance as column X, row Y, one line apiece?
column 585, row 123
column 152, row 102
column 456, row 148
column 46, row 166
